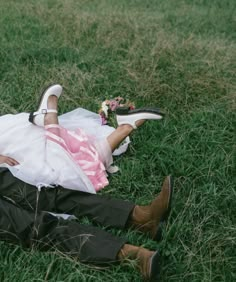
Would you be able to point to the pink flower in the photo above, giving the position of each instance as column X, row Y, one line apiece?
column 113, row 105
column 103, row 119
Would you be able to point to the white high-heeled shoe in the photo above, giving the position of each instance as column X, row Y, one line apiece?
column 126, row 116
column 37, row 117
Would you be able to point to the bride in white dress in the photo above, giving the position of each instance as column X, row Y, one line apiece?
column 73, row 150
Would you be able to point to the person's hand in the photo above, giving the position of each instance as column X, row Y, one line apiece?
column 8, row 160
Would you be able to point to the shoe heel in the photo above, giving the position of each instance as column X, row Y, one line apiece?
column 31, row 117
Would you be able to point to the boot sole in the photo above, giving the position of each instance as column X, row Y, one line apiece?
column 167, row 213
column 159, row 234
column 155, row 267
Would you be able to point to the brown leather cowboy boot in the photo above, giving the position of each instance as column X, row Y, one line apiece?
column 148, row 261
column 149, row 218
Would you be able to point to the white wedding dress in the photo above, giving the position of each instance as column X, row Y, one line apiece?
column 43, row 162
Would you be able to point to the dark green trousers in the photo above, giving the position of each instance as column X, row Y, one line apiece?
column 24, row 219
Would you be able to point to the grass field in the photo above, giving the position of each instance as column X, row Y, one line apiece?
column 177, row 55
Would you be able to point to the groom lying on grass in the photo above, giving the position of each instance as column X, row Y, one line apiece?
column 21, row 224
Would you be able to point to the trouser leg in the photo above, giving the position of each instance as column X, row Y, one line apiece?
column 15, row 224
column 101, row 209
column 45, row 232
column 88, row 243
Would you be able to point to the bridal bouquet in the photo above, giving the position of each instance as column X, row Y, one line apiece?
column 108, row 108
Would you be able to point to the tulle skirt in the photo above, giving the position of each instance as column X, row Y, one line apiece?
column 74, row 155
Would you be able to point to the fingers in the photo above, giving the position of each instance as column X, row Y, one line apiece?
column 11, row 161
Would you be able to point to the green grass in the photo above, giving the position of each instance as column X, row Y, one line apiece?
column 178, row 55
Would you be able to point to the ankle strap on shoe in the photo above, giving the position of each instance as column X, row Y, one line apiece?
column 45, row 111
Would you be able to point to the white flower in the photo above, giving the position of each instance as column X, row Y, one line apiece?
column 105, row 108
